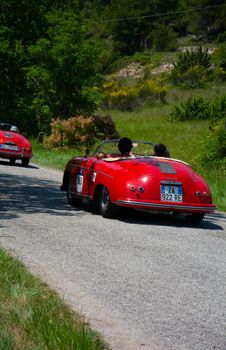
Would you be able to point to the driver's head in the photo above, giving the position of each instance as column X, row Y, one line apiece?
column 125, row 145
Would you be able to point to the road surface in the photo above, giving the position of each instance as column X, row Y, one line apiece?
column 143, row 281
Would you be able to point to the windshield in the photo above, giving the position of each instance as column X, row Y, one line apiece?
column 140, row 148
column 8, row 127
column 5, row 126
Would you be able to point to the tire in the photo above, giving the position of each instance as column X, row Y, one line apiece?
column 12, row 161
column 25, row 161
column 73, row 201
column 107, row 209
column 194, row 218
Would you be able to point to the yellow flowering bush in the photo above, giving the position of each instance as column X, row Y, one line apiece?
column 128, row 97
column 153, row 89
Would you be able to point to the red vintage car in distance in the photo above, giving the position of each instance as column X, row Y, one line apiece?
column 14, row 145
column 140, row 181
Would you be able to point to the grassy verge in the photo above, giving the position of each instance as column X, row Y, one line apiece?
column 33, row 317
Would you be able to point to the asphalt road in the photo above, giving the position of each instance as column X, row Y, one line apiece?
column 144, row 281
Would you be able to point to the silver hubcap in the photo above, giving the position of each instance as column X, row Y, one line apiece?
column 105, row 197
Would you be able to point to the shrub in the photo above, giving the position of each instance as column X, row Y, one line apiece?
column 213, row 149
column 194, row 77
column 192, row 109
column 192, row 69
column 153, row 89
column 80, row 131
column 220, row 55
column 129, row 97
column 191, row 58
column 218, row 109
column 125, row 98
column 219, row 74
column 199, row 109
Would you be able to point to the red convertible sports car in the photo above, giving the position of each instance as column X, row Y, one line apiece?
column 140, row 181
column 13, row 145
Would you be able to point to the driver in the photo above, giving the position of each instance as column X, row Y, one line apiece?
column 125, row 146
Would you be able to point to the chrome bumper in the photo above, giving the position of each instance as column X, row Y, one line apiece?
column 169, row 207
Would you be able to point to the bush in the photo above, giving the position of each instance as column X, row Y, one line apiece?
column 199, row 109
column 192, row 69
column 125, row 98
column 218, row 109
column 220, row 55
column 214, row 146
column 153, row 89
column 192, row 109
column 80, row 131
column 129, row 97
column 219, row 74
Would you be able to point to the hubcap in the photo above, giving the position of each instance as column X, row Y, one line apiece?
column 105, row 197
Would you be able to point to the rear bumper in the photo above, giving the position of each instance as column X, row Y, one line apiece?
column 13, row 154
column 187, row 208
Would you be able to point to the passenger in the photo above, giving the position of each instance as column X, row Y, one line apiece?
column 160, row 150
column 125, row 146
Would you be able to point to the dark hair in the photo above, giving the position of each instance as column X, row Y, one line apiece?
column 161, row 150
column 125, row 145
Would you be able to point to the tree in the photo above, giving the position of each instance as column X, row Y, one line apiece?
column 209, row 18
column 64, row 69
column 164, row 38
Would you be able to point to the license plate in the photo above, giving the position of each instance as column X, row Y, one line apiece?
column 171, row 193
column 10, row 147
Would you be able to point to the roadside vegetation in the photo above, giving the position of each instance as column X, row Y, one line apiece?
column 34, row 317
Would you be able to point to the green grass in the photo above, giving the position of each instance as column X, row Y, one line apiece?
column 153, row 124
column 32, row 317
column 52, row 158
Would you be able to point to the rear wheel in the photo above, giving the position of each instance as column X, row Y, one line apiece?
column 25, row 161
column 195, row 218
column 74, row 201
column 107, row 208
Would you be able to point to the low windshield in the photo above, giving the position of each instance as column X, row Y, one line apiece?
column 141, row 148
column 5, row 126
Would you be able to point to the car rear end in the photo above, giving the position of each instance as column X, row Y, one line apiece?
column 164, row 185
column 14, row 146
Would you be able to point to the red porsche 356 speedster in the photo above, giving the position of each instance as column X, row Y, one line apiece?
column 140, row 181
column 14, row 145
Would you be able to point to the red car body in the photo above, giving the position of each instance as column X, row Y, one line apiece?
column 14, row 145
column 140, row 181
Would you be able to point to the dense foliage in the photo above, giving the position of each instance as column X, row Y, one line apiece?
column 54, row 54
